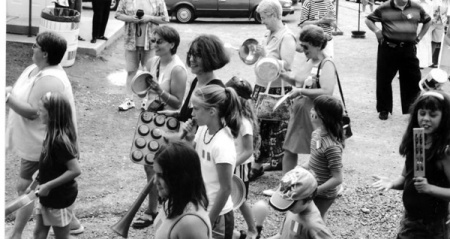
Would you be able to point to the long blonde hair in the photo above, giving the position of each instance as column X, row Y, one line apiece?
column 60, row 126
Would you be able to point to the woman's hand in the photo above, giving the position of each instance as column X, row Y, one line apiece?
column 154, row 86
column 383, row 183
column 422, row 185
column 134, row 19
column 295, row 92
column 43, row 190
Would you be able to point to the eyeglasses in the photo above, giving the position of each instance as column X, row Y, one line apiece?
column 159, row 41
column 194, row 54
column 35, row 45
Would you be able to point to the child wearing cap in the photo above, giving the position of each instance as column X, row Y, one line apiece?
column 303, row 220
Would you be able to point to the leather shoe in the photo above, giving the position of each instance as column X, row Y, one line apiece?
column 93, row 40
column 433, row 66
column 383, row 115
column 102, row 38
column 80, row 39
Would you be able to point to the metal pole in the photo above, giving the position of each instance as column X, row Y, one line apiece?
column 29, row 18
column 336, row 31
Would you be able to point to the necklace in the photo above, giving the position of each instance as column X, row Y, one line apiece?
column 204, row 136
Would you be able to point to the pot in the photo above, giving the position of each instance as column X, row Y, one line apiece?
column 140, row 84
column 267, row 69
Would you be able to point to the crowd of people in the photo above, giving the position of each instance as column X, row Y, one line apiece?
column 220, row 134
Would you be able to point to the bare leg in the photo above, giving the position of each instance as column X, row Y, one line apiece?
column 23, row 215
column 40, row 230
column 248, row 217
column 62, row 232
column 289, row 161
column 153, row 194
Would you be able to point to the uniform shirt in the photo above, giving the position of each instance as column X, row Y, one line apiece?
column 399, row 25
column 305, row 225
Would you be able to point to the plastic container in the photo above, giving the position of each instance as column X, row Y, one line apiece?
column 65, row 22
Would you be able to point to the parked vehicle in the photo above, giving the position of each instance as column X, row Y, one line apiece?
column 186, row 11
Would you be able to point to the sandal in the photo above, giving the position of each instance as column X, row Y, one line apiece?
column 144, row 221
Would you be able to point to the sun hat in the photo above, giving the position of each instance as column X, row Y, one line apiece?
column 295, row 185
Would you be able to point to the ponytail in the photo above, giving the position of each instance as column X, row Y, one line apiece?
column 232, row 111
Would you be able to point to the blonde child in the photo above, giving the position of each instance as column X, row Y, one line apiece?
column 426, row 199
column 327, row 146
column 246, row 143
column 58, row 168
column 216, row 112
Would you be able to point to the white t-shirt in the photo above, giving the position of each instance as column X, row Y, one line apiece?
column 220, row 149
column 246, row 129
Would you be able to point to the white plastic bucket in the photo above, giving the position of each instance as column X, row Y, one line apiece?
column 69, row 31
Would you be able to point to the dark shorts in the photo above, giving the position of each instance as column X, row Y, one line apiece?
column 28, row 168
column 422, row 229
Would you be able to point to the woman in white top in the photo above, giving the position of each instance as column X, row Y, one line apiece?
column 168, row 71
column 25, row 132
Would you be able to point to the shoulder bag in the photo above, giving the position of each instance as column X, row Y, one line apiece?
column 345, row 118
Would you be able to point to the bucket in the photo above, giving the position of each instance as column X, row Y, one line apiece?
column 65, row 22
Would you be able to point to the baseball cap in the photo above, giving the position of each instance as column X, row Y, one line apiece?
column 295, row 185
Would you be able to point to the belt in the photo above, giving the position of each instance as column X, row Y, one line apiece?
column 395, row 44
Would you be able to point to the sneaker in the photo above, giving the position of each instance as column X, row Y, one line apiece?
column 126, row 105
column 383, row 115
column 144, row 105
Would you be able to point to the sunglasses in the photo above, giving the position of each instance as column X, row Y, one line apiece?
column 159, row 41
column 194, row 54
column 35, row 45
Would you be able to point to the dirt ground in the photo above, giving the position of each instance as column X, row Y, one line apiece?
column 110, row 182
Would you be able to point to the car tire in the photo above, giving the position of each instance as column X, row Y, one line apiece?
column 185, row 14
column 114, row 5
column 257, row 17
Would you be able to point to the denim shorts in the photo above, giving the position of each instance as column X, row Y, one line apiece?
column 28, row 168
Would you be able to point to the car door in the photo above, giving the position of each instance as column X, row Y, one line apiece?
column 234, row 8
column 205, row 8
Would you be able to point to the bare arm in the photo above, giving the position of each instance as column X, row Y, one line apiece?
column 286, row 52
column 224, row 171
column 73, row 171
column 29, row 109
column 371, row 25
column 334, row 181
column 177, row 88
column 247, row 142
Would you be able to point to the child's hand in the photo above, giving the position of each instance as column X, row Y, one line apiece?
column 383, row 183
column 43, row 190
column 422, row 185
column 168, row 112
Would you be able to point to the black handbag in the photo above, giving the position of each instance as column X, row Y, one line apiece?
column 345, row 118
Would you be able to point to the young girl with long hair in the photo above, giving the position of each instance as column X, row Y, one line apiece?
column 426, row 199
column 216, row 111
column 180, row 186
column 246, row 143
column 58, row 168
column 327, row 146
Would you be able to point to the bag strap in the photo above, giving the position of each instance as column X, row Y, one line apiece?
column 337, row 76
column 182, row 216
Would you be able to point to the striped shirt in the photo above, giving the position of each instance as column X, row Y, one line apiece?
column 326, row 157
column 399, row 25
column 317, row 9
